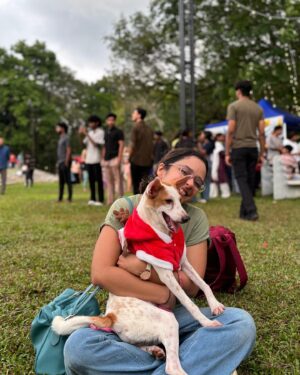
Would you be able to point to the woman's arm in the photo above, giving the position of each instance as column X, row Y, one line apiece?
column 196, row 254
column 105, row 273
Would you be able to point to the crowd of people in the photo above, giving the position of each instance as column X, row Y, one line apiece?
column 111, row 168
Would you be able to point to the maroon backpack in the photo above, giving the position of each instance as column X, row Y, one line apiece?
column 223, row 260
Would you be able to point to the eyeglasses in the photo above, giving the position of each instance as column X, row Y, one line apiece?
column 187, row 171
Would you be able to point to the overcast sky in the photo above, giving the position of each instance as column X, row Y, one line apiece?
column 73, row 29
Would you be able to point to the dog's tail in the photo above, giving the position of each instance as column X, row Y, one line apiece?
column 66, row 327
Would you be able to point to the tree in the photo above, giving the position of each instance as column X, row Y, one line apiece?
column 253, row 40
column 36, row 92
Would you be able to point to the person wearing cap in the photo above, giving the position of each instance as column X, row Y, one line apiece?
column 245, row 121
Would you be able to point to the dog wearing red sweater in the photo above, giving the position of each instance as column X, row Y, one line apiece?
column 154, row 234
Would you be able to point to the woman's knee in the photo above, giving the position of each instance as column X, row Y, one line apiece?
column 75, row 354
column 243, row 325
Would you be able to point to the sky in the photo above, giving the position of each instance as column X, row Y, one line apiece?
column 73, row 29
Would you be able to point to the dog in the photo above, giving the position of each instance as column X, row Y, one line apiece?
column 139, row 322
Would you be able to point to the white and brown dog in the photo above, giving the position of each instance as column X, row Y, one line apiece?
column 158, row 214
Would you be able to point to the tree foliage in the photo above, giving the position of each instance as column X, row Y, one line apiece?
column 36, row 93
column 253, row 40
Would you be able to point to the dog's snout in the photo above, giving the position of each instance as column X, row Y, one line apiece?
column 185, row 219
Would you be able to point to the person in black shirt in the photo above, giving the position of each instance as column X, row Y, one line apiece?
column 112, row 159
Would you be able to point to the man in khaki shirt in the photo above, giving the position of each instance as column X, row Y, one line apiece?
column 141, row 152
column 245, row 128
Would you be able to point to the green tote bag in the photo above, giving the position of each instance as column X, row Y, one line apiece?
column 48, row 346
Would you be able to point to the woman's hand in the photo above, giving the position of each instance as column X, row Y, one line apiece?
column 131, row 264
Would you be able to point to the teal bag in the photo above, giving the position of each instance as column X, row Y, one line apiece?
column 48, row 346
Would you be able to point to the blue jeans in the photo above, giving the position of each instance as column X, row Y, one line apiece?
column 209, row 351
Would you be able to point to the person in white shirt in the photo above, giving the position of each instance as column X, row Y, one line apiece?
column 94, row 140
column 274, row 144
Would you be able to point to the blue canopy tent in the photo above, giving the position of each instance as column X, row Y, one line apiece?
column 270, row 113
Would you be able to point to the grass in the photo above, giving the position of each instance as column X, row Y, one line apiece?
column 46, row 247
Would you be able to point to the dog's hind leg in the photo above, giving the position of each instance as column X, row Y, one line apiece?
column 171, row 344
column 215, row 306
column 167, row 277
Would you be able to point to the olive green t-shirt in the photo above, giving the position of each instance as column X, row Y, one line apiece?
column 247, row 115
column 195, row 230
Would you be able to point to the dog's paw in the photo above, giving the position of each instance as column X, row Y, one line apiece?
column 158, row 353
column 218, row 309
column 154, row 350
column 214, row 323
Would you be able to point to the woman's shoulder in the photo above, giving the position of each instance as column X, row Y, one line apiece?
column 127, row 203
column 194, row 211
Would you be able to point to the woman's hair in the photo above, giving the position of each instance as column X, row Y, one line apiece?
column 172, row 157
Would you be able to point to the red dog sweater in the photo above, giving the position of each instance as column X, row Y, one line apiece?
column 151, row 245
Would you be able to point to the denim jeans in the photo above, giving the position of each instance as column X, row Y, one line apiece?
column 209, row 351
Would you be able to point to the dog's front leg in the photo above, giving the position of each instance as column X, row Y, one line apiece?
column 215, row 306
column 167, row 277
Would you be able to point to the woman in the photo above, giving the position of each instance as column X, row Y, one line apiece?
column 202, row 350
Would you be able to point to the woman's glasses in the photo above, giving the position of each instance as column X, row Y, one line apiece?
column 187, row 171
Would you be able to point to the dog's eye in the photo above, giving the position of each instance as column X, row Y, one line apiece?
column 169, row 201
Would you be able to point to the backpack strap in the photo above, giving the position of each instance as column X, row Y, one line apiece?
column 129, row 201
column 238, row 261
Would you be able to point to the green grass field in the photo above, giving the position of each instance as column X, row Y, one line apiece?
column 46, row 247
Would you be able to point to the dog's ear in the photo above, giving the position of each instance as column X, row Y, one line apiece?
column 181, row 182
column 153, row 188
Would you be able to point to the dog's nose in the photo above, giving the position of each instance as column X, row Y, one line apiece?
column 185, row 218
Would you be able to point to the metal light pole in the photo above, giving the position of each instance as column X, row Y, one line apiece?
column 187, row 97
column 182, row 64
column 192, row 67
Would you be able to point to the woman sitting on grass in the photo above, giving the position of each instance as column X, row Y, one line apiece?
column 202, row 350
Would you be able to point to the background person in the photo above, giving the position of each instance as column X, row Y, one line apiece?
column 219, row 176
column 141, row 150
column 274, row 144
column 289, row 162
column 29, row 162
column 112, row 158
column 4, row 160
column 293, row 140
column 245, row 121
column 186, row 140
column 94, row 140
column 160, row 148
column 202, row 351
column 64, row 161
column 84, row 173
column 206, row 145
